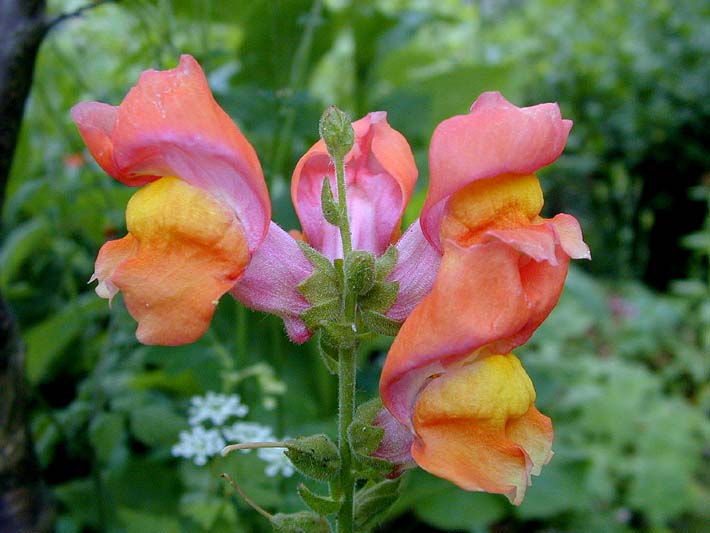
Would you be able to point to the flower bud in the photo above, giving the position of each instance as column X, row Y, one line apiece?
column 360, row 271
column 315, row 456
column 336, row 131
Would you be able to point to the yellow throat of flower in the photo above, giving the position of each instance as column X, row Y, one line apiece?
column 504, row 201
column 170, row 210
column 494, row 387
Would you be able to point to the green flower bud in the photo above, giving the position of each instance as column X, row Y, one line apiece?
column 360, row 271
column 337, row 132
column 315, row 456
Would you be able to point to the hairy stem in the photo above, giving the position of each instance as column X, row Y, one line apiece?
column 346, row 370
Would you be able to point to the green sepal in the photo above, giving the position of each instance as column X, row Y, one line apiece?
column 317, row 259
column 331, row 210
column 324, row 283
column 302, row 522
column 372, row 503
column 339, row 335
column 314, row 317
column 380, row 323
column 381, row 297
column 318, row 287
column 322, row 505
column 385, row 263
column 360, row 271
column 364, row 439
column 315, row 456
column 328, row 352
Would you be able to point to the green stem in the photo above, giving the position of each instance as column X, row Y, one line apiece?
column 347, row 369
column 346, row 397
column 342, row 201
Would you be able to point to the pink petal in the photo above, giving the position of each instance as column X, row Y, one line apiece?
column 270, row 281
column 569, row 235
column 396, row 443
column 415, row 271
column 380, row 174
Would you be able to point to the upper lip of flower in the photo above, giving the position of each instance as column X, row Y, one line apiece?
column 495, row 138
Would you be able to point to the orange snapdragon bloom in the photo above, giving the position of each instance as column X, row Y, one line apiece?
column 201, row 213
column 449, row 377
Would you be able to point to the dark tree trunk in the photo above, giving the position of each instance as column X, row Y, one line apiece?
column 22, row 27
column 24, row 506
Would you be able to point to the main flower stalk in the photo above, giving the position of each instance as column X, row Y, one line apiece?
column 347, row 354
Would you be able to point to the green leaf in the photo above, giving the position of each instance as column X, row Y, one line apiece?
column 322, row 505
column 156, row 424
column 140, row 522
column 79, row 495
column 47, row 340
column 22, row 242
column 331, row 210
column 315, row 456
column 371, row 504
column 328, row 352
column 303, row 522
column 472, row 509
column 380, row 323
column 106, row 434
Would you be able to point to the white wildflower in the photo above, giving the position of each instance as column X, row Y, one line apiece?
column 277, row 462
column 199, row 444
column 240, row 432
column 216, row 408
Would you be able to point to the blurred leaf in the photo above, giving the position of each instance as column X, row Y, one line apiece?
column 79, row 495
column 156, row 425
column 448, row 507
column 47, row 341
column 106, row 434
column 142, row 522
column 558, row 489
column 20, row 245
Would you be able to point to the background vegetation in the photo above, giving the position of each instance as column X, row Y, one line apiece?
column 621, row 365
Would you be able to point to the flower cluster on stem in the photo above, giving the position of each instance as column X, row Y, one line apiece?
column 460, row 289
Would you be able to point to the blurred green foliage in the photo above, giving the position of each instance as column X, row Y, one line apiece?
column 622, row 370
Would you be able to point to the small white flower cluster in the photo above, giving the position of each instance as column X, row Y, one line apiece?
column 199, row 444
column 215, row 408
column 278, row 463
column 208, row 433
